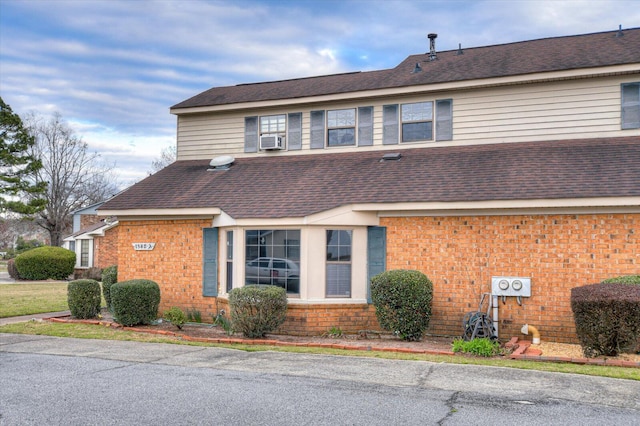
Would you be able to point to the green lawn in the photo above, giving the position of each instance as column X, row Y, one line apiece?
column 32, row 298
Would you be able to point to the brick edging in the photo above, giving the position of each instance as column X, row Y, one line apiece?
column 518, row 354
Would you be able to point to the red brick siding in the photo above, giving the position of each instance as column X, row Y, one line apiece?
column 105, row 249
column 175, row 263
column 558, row 252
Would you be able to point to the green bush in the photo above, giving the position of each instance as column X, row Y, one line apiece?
column 84, row 298
column 109, row 278
column 257, row 309
column 135, row 301
column 12, row 270
column 93, row 273
column 403, row 302
column 478, row 347
column 176, row 317
column 46, row 262
column 607, row 318
column 625, row 279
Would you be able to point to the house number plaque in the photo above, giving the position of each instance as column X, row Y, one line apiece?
column 143, row 246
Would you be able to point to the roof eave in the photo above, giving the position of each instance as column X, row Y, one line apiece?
column 569, row 74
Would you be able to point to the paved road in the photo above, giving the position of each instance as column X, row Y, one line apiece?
column 55, row 381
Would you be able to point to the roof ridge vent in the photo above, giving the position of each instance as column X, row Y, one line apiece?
column 432, row 46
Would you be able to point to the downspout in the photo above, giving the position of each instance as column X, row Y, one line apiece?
column 534, row 332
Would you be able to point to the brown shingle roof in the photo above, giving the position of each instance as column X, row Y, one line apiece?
column 300, row 185
column 527, row 57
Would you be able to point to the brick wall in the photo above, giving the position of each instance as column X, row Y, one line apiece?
column 558, row 252
column 105, row 249
column 175, row 263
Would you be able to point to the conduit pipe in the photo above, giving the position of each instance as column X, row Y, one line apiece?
column 494, row 304
column 526, row 329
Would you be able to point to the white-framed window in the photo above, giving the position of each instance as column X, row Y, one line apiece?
column 341, row 127
column 84, row 253
column 630, row 106
column 272, row 257
column 338, row 263
column 417, row 121
column 273, row 125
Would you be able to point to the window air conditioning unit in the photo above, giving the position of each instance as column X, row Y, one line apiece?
column 271, row 142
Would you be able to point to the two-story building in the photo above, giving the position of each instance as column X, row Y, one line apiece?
column 519, row 160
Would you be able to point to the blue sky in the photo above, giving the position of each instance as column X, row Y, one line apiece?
column 114, row 68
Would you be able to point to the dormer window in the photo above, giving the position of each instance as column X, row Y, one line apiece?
column 417, row 121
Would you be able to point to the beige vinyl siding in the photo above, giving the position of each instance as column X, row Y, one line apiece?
column 583, row 108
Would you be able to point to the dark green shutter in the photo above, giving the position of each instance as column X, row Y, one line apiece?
column 210, row 262
column 444, row 120
column 376, row 254
column 294, row 134
column 631, row 106
column 251, row 134
column 365, row 126
column 317, row 129
column 390, row 124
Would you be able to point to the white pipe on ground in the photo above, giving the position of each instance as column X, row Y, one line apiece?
column 526, row 329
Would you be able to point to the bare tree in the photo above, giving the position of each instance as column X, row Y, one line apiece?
column 167, row 156
column 76, row 178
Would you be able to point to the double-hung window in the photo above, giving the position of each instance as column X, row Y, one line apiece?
column 273, row 125
column 417, row 121
column 338, row 263
column 631, row 106
column 84, row 253
column 341, row 127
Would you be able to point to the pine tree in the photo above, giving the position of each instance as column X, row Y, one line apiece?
column 17, row 166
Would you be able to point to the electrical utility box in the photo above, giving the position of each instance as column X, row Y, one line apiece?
column 511, row 286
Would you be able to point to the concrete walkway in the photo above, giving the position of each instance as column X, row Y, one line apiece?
column 36, row 317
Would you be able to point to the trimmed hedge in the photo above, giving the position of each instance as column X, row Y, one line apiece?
column 12, row 270
column 135, row 301
column 403, row 302
column 109, row 278
column 176, row 317
column 257, row 309
column 607, row 318
column 83, row 297
column 46, row 262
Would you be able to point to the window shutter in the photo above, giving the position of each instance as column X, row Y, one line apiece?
column 376, row 254
column 317, row 129
column 444, row 120
column 390, row 124
column 210, row 262
column 294, row 134
column 631, row 106
column 251, row 134
column 365, row 126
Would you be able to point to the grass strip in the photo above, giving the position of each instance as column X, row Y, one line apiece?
column 27, row 299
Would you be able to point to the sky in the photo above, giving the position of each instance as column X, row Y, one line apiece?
column 112, row 69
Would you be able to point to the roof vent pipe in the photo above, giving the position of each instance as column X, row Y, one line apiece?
column 432, row 46
column 459, row 52
column 417, row 68
column 619, row 33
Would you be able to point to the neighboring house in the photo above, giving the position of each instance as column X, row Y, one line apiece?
column 519, row 160
column 94, row 239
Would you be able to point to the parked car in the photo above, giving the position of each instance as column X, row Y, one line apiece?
column 275, row 271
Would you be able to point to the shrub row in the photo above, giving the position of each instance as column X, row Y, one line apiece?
column 46, row 262
column 135, row 301
column 607, row 318
column 83, row 297
column 109, row 278
column 257, row 309
column 402, row 299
